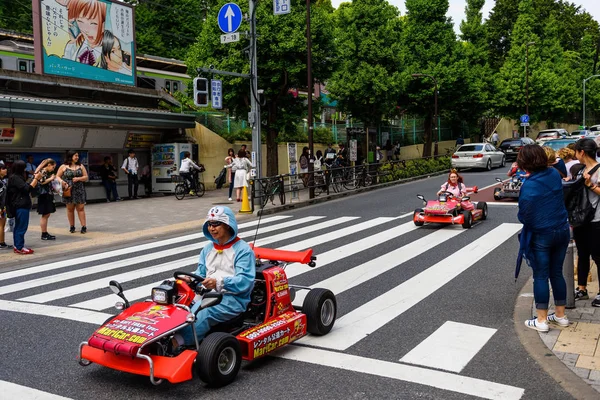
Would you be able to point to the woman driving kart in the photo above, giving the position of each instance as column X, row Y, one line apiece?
column 455, row 186
column 228, row 266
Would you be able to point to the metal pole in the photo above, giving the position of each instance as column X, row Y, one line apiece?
column 255, row 105
column 311, row 185
column 435, row 101
column 527, row 78
column 583, row 125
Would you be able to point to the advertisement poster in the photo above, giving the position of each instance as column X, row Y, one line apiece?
column 88, row 39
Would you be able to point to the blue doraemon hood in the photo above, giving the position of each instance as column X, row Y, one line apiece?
column 222, row 214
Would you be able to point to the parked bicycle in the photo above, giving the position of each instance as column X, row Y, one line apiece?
column 270, row 187
column 183, row 187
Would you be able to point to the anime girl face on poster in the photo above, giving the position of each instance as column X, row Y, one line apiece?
column 86, row 28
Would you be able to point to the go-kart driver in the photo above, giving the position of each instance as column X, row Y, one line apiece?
column 454, row 185
column 515, row 170
column 228, row 264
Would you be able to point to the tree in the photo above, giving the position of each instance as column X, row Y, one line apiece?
column 281, row 64
column 499, row 28
column 367, row 82
column 16, row 16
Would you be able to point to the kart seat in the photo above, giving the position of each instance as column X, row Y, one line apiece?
column 229, row 325
column 116, row 347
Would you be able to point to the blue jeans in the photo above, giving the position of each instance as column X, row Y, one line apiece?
column 231, row 187
column 549, row 251
column 21, row 225
column 111, row 187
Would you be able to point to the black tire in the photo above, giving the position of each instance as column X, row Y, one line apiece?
column 496, row 191
column 417, row 211
column 503, row 162
column 482, row 205
column 282, row 197
column 488, row 166
column 200, row 189
column 368, row 180
column 180, row 191
column 219, row 359
column 320, row 308
column 468, row 220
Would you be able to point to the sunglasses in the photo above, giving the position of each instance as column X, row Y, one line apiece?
column 214, row 223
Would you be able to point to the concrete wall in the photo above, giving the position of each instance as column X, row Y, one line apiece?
column 506, row 127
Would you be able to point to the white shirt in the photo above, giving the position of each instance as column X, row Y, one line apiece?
column 495, row 137
column 187, row 165
column 569, row 165
column 133, row 165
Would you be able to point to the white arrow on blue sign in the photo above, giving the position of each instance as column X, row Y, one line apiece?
column 230, row 18
column 524, row 118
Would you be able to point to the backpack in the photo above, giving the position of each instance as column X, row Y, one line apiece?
column 303, row 162
column 220, row 181
column 577, row 200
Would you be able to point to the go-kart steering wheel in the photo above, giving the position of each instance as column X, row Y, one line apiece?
column 447, row 193
column 196, row 280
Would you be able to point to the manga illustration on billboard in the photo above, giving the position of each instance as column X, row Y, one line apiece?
column 89, row 39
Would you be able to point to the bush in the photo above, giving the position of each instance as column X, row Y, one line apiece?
column 389, row 172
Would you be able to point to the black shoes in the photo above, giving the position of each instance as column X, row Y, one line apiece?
column 581, row 294
column 47, row 236
column 72, row 230
column 83, row 229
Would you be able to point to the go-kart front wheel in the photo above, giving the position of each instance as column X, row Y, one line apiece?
column 468, row 222
column 496, row 191
column 482, row 205
column 320, row 308
column 417, row 212
column 219, row 359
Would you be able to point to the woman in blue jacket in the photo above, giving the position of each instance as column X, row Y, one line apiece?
column 545, row 235
column 228, row 265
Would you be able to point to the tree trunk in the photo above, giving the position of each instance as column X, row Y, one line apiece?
column 427, row 136
column 272, row 156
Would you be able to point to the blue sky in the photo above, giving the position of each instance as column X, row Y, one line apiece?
column 457, row 8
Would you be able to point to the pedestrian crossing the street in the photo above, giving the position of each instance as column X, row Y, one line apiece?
column 348, row 255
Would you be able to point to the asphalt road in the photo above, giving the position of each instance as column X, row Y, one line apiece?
column 402, row 292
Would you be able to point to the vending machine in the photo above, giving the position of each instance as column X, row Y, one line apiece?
column 166, row 160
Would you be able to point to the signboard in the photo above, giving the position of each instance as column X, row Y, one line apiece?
column 87, row 39
column 352, row 144
column 216, row 93
column 229, row 18
column 282, row 7
column 524, row 123
column 7, row 135
column 140, row 140
column 230, row 37
column 524, row 119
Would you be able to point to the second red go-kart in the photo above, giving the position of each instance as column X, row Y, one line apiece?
column 448, row 209
column 138, row 340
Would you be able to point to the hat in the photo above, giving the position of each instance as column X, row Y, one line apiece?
column 221, row 214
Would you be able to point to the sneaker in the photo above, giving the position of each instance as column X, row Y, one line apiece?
column 534, row 324
column 581, row 294
column 83, row 229
column 562, row 321
column 4, row 246
column 596, row 301
column 72, row 229
column 47, row 236
column 24, row 250
column 108, row 200
column 119, row 199
column 230, row 199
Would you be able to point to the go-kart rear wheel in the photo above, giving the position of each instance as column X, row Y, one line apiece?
column 482, row 205
column 417, row 212
column 468, row 222
column 496, row 191
column 320, row 308
column 219, row 359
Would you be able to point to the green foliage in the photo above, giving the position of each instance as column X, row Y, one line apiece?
column 394, row 171
column 15, row 15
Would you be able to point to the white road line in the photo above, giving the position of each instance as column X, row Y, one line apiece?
column 451, row 347
column 140, row 292
column 366, row 319
column 77, row 273
column 494, row 203
column 336, row 234
column 120, row 252
column 408, row 373
column 377, row 266
column 73, row 314
column 11, row 390
column 351, row 249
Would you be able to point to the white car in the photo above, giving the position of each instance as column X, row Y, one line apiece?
column 549, row 134
column 478, row 155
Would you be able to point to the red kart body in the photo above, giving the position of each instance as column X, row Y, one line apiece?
column 128, row 342
column 450, row 210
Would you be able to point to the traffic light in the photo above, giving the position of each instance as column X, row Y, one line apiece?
column 201, row 92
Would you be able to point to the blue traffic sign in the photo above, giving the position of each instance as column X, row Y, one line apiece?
column 230, row 18
column 524, row 118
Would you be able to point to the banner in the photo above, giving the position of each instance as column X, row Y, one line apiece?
column 88, row 39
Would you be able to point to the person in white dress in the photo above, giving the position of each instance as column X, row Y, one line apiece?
column 240, row 167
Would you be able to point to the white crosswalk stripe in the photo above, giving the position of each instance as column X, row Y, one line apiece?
column 351, row 260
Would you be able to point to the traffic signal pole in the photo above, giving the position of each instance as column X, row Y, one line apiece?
column 254, row 115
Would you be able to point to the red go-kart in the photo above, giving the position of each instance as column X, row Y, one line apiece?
column 448, row 209
column 139, row 339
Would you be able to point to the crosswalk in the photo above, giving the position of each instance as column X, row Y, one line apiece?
column 348, row 256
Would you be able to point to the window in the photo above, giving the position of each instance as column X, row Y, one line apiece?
column 22, row 66
column 32, row 66
column 168, row 86
column 172, row 86
column 0, row 63
column 146, row 83
column 176, row 86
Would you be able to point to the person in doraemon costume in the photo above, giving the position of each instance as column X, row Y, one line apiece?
column 228, row 265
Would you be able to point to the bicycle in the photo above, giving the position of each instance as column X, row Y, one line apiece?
column 271, row 187
column 183, row 188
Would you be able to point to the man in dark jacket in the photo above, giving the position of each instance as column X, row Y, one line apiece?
column 3, row 183
column 19, row 203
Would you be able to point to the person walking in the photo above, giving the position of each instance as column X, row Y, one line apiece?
column 19, row 203
column 74, row 175
column 3, row 216
column 240, row 167
column 45, row 205
column 131, row 166
column 586, row 235
column 495, row 138
column 304, row 158
column 545, row 235
column 108, row 174
column 228, row 161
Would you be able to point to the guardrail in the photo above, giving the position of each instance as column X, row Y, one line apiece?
column 280, row 189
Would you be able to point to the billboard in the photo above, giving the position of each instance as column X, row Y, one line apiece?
column 88, row 39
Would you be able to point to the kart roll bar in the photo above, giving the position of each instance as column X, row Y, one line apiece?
column 303, row 257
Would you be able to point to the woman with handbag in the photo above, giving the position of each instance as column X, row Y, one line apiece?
column 228, row 161
column 19, row 203
column 74, row 174
column 240, row 167
column 45, row 205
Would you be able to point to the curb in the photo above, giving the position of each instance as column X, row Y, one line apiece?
column 541, row 354
column 334, row 196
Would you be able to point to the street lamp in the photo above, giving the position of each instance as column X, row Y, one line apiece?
column 435, row 98
column 584, row 81
column 311, row 186
column 527, row 83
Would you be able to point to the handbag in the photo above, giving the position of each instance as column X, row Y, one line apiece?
column 67, row 191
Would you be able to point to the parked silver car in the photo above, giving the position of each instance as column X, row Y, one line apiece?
column 549, row 134
column 478, row 155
